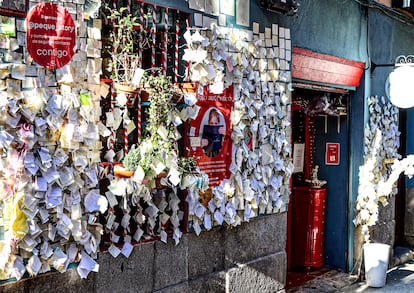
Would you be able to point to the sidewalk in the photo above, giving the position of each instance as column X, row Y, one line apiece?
column 399, row 279
column 331, row 281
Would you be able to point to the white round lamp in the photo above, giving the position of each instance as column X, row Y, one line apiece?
column 399, row 86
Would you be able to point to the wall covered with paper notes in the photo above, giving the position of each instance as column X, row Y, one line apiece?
column 61, row 131
column 50, row 147
column 260, row 168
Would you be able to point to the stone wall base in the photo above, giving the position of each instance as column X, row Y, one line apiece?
column 248, row 258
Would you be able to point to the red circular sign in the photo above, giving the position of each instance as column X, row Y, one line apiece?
column 51, row 35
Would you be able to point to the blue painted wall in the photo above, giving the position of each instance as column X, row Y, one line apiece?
column 388, row 38
column 357, row 117
column 396, row 38
column 334, row 27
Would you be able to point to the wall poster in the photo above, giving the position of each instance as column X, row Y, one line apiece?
column 7, row 26
column 51, row 35
column 210, row 134
column 17, row 8
column 298, row 157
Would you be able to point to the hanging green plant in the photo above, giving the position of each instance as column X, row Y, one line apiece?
column 124, row 61
column 187, row 166
column 157, row 151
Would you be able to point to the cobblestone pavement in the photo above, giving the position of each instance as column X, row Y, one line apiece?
column 399, row 279
column 331, row 281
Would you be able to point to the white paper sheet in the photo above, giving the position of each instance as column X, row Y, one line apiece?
column 86, row 265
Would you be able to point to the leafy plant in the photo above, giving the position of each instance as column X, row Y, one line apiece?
column 132, row 159
column 161, row 97
column 160, row 127
column 124, row 60
column 158, row 147
column 187, row 165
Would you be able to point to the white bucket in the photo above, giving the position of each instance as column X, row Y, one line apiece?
column 376, row 256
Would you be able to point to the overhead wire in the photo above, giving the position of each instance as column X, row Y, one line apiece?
column 391, row 12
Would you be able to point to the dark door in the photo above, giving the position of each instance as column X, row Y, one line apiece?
column 331, row 129
column 324, row 127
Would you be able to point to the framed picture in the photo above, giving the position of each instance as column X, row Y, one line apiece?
column 7, row 26
column 17, row 8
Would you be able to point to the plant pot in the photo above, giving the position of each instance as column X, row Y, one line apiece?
column 127, row 89
column 158, row 183
column 120, row 172
column 187, row 87
column 155, row 182
column 376, row 257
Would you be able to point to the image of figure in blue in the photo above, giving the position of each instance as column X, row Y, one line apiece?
column 213, row 133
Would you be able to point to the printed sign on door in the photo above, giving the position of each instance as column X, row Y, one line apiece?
column 332, row 153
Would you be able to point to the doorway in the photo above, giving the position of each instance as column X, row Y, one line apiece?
column 317, row 214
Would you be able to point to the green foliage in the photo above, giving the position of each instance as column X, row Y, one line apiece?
column 132, row 159
column 187, row 165
column 124, row 60
column 161, row 97
column 158, row 142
